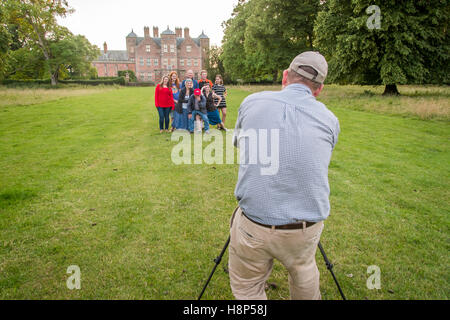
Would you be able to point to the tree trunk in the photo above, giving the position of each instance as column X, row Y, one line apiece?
column 54, row 77
column 391, row 90
column 45, row 51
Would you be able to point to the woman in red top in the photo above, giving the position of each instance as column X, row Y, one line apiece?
column 164, row 103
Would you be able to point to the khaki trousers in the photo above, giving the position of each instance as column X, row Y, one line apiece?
column 253, row 248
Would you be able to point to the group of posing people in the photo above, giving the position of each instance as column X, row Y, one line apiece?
column 192, row 103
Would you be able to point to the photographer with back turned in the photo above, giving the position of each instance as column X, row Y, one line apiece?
column 281, row 215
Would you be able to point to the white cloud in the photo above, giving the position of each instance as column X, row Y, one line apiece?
column 112, row 20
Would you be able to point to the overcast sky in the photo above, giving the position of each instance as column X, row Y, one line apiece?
column 112, row 20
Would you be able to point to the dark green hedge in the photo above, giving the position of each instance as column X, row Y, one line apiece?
column 130, row 73
column 25, row 82
column 96, row 82
column 34, row 82
column 141, row 84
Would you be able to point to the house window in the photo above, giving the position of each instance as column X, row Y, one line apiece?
column 173, row 62
column 149, row 76
column 189, row 62
column 165, row 63
column 182, row 62
column 188, row 48
column 142, row 76
column 155, row 62
column 149, row 62
column 165, row 48
column 172, row 48
column 196, row 62
column 141, row 61
column 147, row 48
column 132, row 59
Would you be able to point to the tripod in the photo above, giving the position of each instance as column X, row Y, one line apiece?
column 219, row 259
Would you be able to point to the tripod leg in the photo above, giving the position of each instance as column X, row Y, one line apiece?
column 217, row 261
column 330, row 267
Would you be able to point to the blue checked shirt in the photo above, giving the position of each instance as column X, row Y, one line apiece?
column 298, row 189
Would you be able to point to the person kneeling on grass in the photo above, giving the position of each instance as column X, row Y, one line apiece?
column 197, row 110
column 211, row 107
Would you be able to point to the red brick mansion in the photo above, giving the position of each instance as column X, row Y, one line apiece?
column 152, row 57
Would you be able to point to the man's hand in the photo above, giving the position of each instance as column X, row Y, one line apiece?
column 189, row 116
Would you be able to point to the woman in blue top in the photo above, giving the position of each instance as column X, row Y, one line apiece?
column 174, row 83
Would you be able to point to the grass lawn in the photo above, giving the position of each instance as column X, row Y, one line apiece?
column 86, row 179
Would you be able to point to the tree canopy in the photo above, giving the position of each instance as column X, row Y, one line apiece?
column 262, row 36
column 5, row 41
column 44, row 46
column 214, row 64
column 411, row 44
column 380, row 42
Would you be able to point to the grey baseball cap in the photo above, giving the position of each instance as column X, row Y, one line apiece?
column 311, row 59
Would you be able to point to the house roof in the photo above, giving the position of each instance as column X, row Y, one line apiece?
column 113, row 55
column 122, row 55
column 132, row 34
column 203, row 36
column 167, row 31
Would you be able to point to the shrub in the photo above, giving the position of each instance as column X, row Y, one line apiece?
column 130, row 73
column 37, row 82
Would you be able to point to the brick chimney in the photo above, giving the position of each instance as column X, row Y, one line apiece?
column 186, row 33
column 146, row 32
column 155, row 32
column 179, row 32
column 105, row 47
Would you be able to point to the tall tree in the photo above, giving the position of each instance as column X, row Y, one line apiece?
column 25, row 63
column 214, row 65
column 36, row 21
column 262, row 36
column 278, row 30
column 5, row 41
column 410, row 44
column 233, row 56
column 73, row 53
